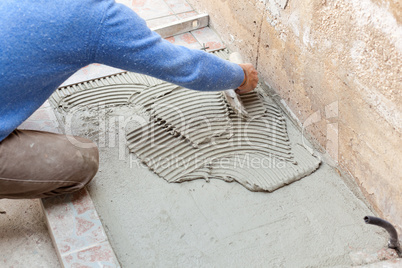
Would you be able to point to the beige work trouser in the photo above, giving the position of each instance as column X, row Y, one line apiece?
column 35, row 164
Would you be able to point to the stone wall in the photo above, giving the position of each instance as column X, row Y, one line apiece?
column 338, row 67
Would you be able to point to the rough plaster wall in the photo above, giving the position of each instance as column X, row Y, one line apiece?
column 337, row 65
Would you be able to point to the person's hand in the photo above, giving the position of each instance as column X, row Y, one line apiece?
column 250, row 80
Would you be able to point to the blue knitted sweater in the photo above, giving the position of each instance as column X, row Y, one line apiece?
column 43, row 42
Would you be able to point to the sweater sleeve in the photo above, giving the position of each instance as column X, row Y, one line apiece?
column 127, row 43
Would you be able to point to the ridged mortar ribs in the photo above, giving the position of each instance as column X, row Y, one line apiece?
column 192, row 135
column 187, row 135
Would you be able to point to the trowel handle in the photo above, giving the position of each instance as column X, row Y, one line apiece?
column 231, row 97
column 236, row 57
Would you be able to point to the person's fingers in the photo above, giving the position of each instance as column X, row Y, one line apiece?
column 251, row 79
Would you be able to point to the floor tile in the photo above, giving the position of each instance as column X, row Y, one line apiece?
column 73, row 222
column 42, row 119
column 161, row 21
column 186, row 15
column 186, row 39
column 100, row 255
column 208, row 37
column 179, row 6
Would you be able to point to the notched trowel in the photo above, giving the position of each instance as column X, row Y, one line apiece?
column 231, row 96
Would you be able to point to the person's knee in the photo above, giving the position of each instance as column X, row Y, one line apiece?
column 59, row 164
column 86, row 162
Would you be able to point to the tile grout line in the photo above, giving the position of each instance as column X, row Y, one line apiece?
column 174, row 13
column 198, row 41
column 84, row 248
column 177, row 13
column 163, row 17
column 186, row 12
column 192, row 8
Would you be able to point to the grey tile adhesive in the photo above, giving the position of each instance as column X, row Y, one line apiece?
column 186, row 135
